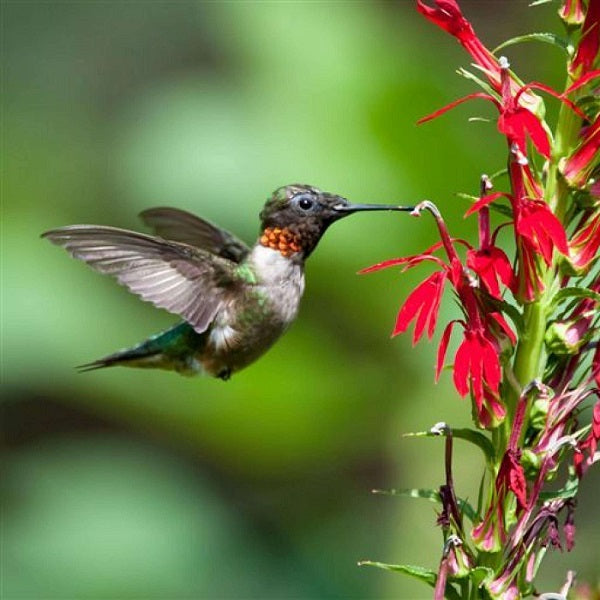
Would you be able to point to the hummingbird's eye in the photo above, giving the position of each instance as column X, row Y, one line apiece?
column 305, row 202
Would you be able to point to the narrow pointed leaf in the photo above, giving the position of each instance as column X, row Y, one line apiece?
column 574, row 292
column 425, row 575
column 547, row 38
column 463, row 433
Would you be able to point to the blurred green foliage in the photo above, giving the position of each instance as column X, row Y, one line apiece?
column 134, row 484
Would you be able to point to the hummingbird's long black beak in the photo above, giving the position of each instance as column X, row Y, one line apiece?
column 347, row 208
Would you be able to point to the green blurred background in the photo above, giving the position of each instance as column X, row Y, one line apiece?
column 138, row 484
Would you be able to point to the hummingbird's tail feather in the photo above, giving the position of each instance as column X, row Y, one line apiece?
column 173, row 350
column 132, row 357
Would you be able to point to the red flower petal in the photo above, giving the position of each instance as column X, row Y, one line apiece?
column 581, row 81
column 485, row 201
column 422, row 304
column 536, row 222
column 442, row 348
column 450, row 106
column 491, row 264
column 516, row 479
column 498, row 318
column 476, row 363
column 383, row 265
column 518, row 123
column 545, row 88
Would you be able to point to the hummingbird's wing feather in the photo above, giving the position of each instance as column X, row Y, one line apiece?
column 182, row 279
column 182, row 226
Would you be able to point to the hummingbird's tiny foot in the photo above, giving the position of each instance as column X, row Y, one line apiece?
column 224, row 374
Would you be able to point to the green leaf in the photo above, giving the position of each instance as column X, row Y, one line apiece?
column 427, row 494
column 466, row 196
column 501, row 209
column 547, row 38
column 574, row 292
column 469, row 435
column 510, row 310
column 421, row 573
column 480, row 574
column 568, row 491
column 480, row 82
column 500, row 173
column 477, row 438
column 433, row 496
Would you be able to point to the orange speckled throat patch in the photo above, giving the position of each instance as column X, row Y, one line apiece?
column 280, row 239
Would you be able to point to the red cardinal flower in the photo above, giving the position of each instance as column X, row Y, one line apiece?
column 516, row 121
column 537, row 230
column 447, row 15
column 492, row 266
column 477, row 367
column 489, row 262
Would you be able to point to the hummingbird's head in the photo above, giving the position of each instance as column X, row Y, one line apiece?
column 296, row 216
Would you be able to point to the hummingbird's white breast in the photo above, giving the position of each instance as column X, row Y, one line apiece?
column 282, row 278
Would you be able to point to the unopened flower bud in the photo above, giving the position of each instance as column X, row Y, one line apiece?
column 572, row 12
column 539, row 413
column 566, row 337
column 530, row 462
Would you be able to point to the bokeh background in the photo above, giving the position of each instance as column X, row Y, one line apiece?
column 137, row 484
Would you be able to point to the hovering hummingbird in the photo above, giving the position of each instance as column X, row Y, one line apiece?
column 235, row 300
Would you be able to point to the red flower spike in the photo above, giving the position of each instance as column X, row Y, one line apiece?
column 589, row 44
column 423, row 305
column 491, row 265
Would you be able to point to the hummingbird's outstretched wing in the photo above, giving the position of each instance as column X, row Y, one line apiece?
column 184, row 280
column 182, row 226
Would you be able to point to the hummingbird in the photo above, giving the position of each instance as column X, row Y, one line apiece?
column 235, row 300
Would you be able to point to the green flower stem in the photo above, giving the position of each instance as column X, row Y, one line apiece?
column 529, row 357
column 566, row 135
